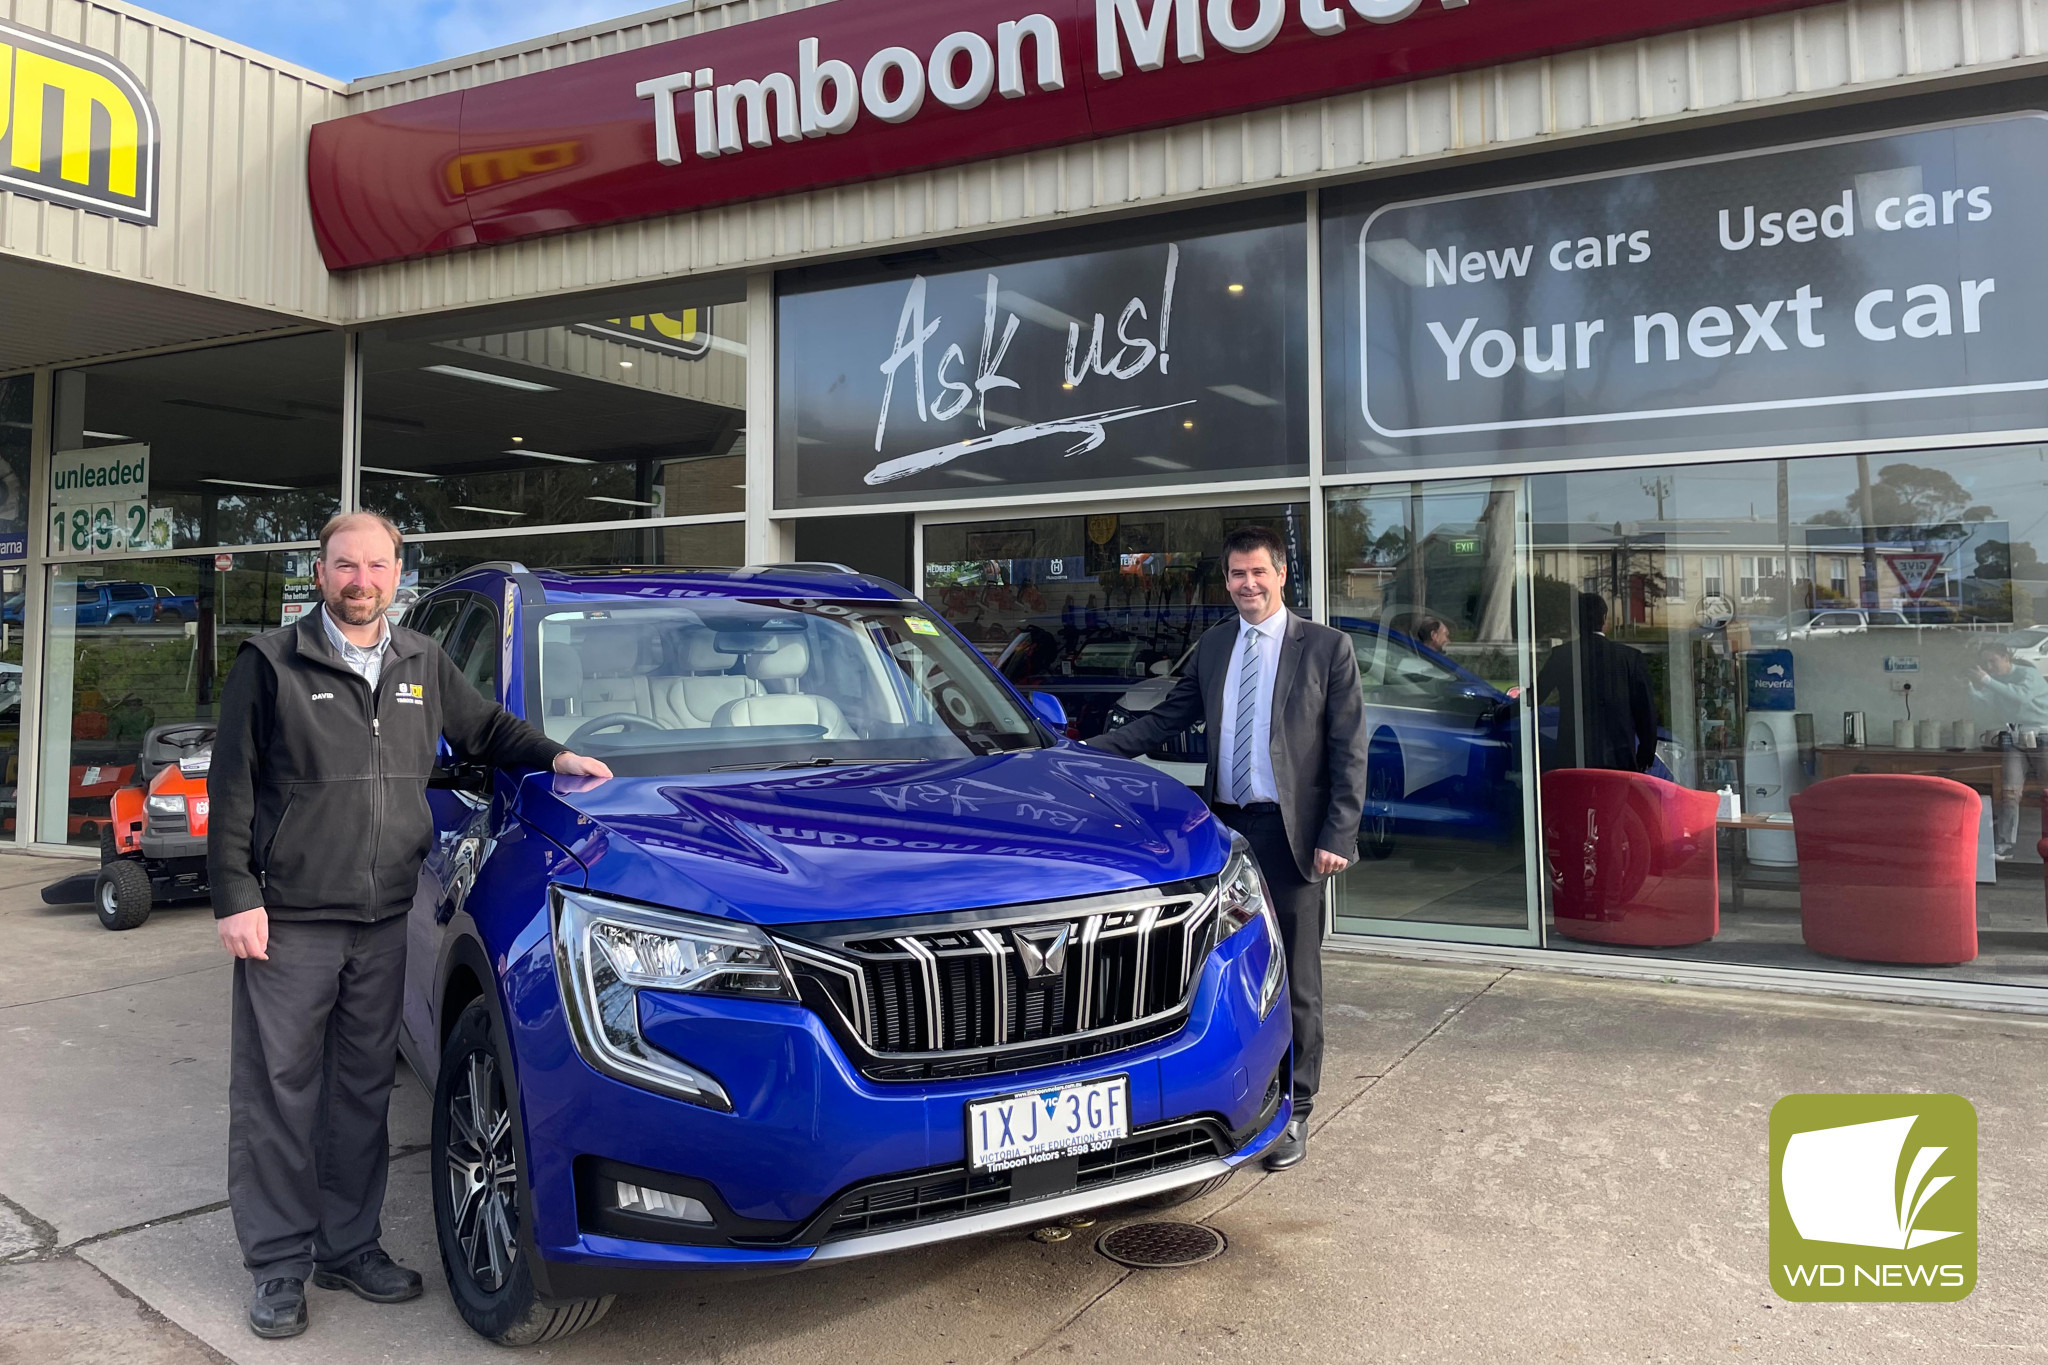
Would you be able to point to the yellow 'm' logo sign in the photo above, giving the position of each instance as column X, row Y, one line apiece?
column 76, row 128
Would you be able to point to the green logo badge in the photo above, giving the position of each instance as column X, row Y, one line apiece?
column 1873, row 1198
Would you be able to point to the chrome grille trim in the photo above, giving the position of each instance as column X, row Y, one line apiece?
column 934, row 992
column 1165, row 932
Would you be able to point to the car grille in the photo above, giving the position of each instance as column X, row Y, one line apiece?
column 940, row 1195
column 1028, row 984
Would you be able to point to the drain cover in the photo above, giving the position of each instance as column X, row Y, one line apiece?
column 1160, row 1246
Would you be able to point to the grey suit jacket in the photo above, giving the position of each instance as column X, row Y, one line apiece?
column 1318, row 731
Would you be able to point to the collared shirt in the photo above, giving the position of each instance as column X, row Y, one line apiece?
column 1264, row 637
column 367, row 662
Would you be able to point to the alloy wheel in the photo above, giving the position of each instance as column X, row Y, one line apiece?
column 483, row 1172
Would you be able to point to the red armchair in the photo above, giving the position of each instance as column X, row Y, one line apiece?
column 1888, row 868
column 1631, row 857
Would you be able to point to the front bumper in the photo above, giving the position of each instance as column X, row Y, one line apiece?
column 819, row 1163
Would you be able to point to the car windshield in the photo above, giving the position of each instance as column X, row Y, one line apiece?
column 713, row 686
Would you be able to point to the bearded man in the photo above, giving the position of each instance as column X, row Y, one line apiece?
column 319, row 824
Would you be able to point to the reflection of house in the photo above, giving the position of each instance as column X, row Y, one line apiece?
column 1668, row 573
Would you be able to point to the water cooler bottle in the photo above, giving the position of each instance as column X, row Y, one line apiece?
column 1772, row 770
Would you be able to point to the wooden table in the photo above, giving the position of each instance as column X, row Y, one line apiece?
column 1753, row 822
column 1742, row 874
column 1983, row 769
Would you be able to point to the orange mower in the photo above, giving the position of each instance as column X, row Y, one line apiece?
column 153, row 850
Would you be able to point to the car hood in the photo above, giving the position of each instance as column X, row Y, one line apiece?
column 1144, row 697
column 881, row 840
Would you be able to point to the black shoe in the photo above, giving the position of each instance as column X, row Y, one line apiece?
column 279, row 1308
column 1290, row 1149
column 373, row 1276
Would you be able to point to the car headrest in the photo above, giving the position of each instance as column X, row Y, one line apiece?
column 789, row 661
column 561, row 672
column 611, row 651
column 701, row 653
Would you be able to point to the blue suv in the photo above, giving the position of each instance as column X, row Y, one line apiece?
column 856, row 952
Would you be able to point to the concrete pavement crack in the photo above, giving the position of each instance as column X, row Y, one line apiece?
column 124, row 986
column 1258, row 1181
column 45, row 1233
column 72, row 1248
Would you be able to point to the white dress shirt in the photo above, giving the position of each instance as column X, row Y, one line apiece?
column 1264, row 637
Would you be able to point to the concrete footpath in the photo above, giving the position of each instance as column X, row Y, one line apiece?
column 1507, row 1166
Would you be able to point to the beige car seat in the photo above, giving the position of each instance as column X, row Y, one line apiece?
column 783, row 668
column 561, row 691
column 612, row 680
column 693, row 700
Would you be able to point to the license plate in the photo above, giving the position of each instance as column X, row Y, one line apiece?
column 1040, row 1125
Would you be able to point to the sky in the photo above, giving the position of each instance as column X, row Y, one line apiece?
column 352, row 38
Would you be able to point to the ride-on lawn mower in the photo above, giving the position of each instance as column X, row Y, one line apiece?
column 153, row 849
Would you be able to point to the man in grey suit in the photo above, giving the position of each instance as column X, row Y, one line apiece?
column 1286, row 729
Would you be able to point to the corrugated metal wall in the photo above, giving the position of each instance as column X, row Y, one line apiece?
column 1781, row 61
column 234, row 224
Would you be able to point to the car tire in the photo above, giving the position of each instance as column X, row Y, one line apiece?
column 477, row 1205
column 1385, row 785
column 1186, row 1194
column 121, row 895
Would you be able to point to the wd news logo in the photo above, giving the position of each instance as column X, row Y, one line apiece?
column 1873, row 1198
column 76, row 128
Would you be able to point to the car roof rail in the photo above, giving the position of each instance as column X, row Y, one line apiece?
column 813, row 566
column 495, row 566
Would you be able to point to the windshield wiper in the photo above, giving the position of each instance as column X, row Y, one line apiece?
column 779, row 765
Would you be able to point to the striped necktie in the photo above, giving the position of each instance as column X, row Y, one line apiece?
column 1241, row 727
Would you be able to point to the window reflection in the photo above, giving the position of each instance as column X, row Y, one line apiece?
column 635, row 417
column 1091, row 607
column 244, row 442
column 1844, row 646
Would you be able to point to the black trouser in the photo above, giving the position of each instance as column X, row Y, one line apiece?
column 314, row 1054
column 1298, row 905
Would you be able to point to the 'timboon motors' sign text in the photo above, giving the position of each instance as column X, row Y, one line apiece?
column 861, row 89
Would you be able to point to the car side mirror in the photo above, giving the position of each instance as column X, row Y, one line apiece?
column 471, row 779
column 1047, row 708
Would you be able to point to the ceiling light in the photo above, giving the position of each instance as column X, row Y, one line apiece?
column 625, row 364
column 1249, row 397
column 975, row 475
column 486, row 377
column 487, row 511
column 622, row 502
column 1187, row 426
column 399, row 473
column 1237, row 289
column 1160, row 462
column 517, row 439
column 106, row 436
column 245, row 483
column 546, row 455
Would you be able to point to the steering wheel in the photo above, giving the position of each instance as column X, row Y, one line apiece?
column 616, row 720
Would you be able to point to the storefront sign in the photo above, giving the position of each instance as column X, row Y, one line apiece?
column 1177, row 361
column 99, row 500
column 1873, row 286
column 76, row 128
column 855, row 91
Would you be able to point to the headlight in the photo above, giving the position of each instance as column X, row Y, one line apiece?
column 1118, row 718
column 608, row 952
column 1241, row 900
column 167, row 807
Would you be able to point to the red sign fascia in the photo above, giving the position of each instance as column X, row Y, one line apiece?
column 575, row 147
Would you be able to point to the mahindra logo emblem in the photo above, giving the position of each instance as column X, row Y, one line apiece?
column 1043, row 952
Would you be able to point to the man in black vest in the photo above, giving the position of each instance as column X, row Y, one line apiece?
column 319, row 824
column 1286, row 728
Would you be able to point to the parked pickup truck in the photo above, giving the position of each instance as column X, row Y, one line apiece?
column 108, row 604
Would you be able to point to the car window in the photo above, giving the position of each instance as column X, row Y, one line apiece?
column 130, row 592
column 474, row 648
column 1388, row 660
column 667, row 689
column 438, row 618
column 1835, row 620
column 1888, row 618
column 86, row 595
